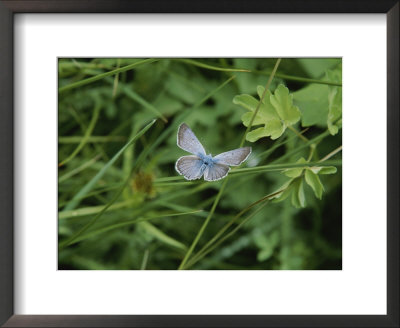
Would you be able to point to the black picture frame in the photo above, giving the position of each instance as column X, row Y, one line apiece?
column 7, row 11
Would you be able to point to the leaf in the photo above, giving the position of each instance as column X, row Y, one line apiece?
column 247, row 82
column 334, row 101
column 266, row 244
column 246, row 101
column 315, row 67
column 161, row 236
column 296, row 172
column 298, row 197
column 283, row 104
column 313, row 103
column 287, row 187
column 314, row 182
column 133, row 95
column 324, row 170
column 276, row 112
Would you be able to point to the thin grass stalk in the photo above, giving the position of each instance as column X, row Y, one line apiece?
column 230, row 223
column 103, row 75
column 85, row 138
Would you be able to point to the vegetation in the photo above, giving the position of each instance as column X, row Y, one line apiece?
column 123, row 206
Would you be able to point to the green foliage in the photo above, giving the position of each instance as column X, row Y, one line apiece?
column 314, row 182
column 335, row 101
column 276, row 112
column 311, row 176
column 313, row 103
column 122, row 206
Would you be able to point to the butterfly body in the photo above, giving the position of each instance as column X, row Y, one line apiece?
column 194, row 166
column 208, row 160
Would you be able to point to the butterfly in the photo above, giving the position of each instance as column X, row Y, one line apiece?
column 193, row 167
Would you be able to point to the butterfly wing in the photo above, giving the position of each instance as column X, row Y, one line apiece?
column 234, row 157
column 188, row 141
column 191, row 167
column 216, row 172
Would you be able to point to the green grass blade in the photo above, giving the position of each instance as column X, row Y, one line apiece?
column 133, row 95
column 77, row 170
column 145, row 260
column 85, row 138
column 88, row 187
column 84, row 211
column 280, row 167
column 161, row 236
column 198, row 255
column 299, row 78
column 127, row 223
column 203, row 227
column 211, row 67
column 95, row 193
column 303, row 146
column 91, row 139
column 103, row 75
column 229, row 234
column 179, row 180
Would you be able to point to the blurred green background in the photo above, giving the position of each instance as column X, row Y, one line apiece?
column 122, row 205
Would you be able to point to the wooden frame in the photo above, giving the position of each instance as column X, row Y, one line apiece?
column 7, row 11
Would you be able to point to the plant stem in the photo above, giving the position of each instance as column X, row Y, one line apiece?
column 85, row 137
column 298, row 133
column 78, row 169
column 299, row 79
column 312, row 150
column 240, row 70
column 332, row 153
column 210, row 67
column 145, row 259
column 168, row 181
column 103, row 75
column 203, row 227
column 226, row 227
column 116, row 79
column 229, row 234
column 92, row 139
column 260, row 102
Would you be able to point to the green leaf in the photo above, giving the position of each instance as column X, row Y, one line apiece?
column 133, row 95
column 334, row 101
column 246, row 101
column 276, row 112
column 313, row 103
column 315, row 67
column 283, row 104
column 287, row 187
column 298, row 196
column 314, row 182
column 324, row 170
column 161, row 236
column 246, row 82
column 296, row 172
column 267, row 244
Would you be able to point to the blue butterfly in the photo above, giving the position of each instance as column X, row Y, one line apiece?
column 214, row 168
